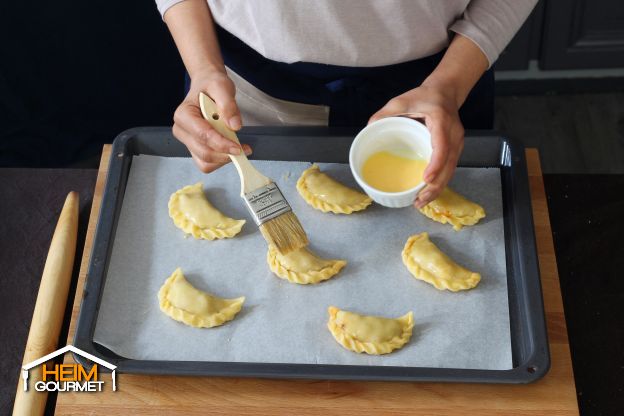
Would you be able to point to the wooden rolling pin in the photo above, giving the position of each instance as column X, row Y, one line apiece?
column 49, row 307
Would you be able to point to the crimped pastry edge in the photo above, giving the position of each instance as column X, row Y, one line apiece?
column 183, row 223
column 325, row 206
column 312, row 277
column 439, row 283
column 457, row 222
column 188, row 318
column 372, row 348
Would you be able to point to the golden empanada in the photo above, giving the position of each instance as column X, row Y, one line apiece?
column 328, row 195
column 183, row 302
column 369, row 334
column 427, row 262
column 194, row 214
column 453, row 208
column 302, row 266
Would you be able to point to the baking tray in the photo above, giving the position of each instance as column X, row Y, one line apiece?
column 530, row 354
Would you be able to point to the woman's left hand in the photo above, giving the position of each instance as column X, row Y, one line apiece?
column 439, row 109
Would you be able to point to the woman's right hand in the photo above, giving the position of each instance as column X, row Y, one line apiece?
column 208, row 148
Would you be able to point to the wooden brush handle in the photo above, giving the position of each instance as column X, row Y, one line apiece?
column 49, row 307
column 249, row 176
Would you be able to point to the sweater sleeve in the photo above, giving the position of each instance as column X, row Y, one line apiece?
column 491, row 24
column 164, row 5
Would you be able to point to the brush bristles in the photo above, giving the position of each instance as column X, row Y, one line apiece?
column 285, row 233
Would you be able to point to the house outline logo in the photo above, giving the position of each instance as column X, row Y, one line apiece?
column 26, row 368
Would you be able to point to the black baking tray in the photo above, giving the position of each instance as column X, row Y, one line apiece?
column 530, row 354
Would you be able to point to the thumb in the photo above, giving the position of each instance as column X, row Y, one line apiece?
column 231, row 115
column 228, row 109
column 384, row 112
column 393, row 107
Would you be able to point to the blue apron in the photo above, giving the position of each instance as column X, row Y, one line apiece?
column 352, row 94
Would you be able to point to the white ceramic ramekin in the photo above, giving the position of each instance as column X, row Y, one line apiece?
column 399, row 135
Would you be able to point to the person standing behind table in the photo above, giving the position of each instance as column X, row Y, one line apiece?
column 341, row 62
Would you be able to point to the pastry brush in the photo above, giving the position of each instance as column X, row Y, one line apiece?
column 268, row 207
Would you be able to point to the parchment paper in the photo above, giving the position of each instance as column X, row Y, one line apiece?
column 282, row 322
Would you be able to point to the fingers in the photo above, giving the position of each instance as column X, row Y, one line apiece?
column 206, row 167
column 189, row 118
column 206, row 159
column 393, row 107
column 378, row 115
column 436, row 173
column 226, row 104
column 209, row 149
column 198, row 148
column 435, row 187
column 439, row 109
column 440, row 138
column 247, row 149
column 433, row 190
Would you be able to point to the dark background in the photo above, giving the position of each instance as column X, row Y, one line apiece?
column 74, row 74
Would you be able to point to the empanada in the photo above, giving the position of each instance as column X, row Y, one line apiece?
column 183, row 302
column 427, row 262
column 453, row 208
column 194, row 214
column 328, row 195
column 369, row 334
column 302, row 266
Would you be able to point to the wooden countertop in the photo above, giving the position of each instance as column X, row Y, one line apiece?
column 156, row 395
